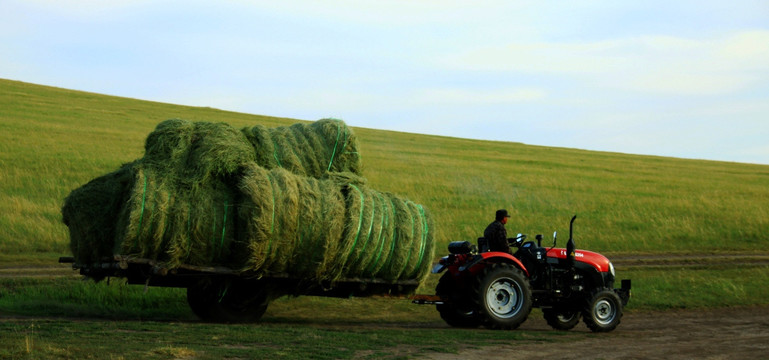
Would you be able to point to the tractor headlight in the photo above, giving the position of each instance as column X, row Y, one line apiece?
column 611, row 269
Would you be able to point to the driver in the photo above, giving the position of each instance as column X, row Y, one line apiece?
column 495, row 233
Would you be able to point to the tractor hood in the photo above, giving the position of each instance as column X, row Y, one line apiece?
column 598, row 261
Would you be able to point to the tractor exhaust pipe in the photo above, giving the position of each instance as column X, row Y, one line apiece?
column 570, row 247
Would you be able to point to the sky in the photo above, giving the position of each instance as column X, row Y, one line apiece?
column 687, row 79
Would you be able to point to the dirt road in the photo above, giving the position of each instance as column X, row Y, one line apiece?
column 710, row 334
column 734, row 333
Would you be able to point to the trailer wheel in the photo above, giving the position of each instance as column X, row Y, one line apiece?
column 460, row 310
column 227, row 302
column 603, row 311
column 561, row 319
column 503, row 296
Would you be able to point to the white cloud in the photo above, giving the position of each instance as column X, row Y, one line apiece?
column 651, row 64
column 459, row 96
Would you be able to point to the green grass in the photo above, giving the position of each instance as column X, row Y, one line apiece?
column 698, row 288
column 88, row 320
column 87, row 339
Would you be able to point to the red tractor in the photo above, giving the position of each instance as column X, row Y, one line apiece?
column 498, row 289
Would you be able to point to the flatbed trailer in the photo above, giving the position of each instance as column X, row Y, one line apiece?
column 222, row 294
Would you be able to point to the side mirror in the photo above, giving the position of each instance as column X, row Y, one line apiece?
column 555, row 235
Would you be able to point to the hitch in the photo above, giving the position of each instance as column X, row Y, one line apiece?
column 624, row 292
column 426, row 300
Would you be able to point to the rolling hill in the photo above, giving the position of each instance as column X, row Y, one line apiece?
column 53, row 140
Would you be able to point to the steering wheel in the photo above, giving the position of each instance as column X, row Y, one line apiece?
column 518, row 240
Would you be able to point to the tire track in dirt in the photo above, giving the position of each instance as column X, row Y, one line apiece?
column 622, row 262
column 37, row 271
column 727, row 333
column 655, row 261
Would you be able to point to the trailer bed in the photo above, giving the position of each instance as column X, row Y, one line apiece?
column 148, row 272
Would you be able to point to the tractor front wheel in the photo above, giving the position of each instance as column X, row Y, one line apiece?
column 503, row 296
column 603, row 311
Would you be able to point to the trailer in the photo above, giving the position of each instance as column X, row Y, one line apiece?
column 221, row 294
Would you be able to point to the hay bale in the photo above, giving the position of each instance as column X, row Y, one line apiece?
column 287, row 200
column 194, row 152
column 181, row 197
column 90, row 212
column 313, row 149
column 177, row 222
column 330, row 228
column 292, row 223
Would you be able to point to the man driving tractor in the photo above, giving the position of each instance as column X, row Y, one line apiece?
column 496, row 234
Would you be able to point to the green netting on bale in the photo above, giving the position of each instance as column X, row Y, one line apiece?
column 313, row 149
column 287, row 200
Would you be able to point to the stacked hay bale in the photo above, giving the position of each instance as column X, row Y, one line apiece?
column 286, row 200
column 331, row 227
column 326, row 145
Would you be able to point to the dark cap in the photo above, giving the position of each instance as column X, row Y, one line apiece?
column 502, row 213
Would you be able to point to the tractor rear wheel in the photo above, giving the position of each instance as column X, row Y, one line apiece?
column 561, row 319
column 603, row 311
column 503, row 296
column 459, row 310
column 227, row 302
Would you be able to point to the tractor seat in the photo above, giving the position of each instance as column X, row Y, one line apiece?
column 483, row 245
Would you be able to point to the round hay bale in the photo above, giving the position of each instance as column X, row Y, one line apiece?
column 89, row 212
column 257, row 215
column 175, row 222
column 326, row 145
column 264, row 148
column 332, row 210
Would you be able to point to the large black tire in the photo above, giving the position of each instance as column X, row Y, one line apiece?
column 561, row 319
column 603, row 311
column 460, row 310
column 228, row 302
column 503, row 295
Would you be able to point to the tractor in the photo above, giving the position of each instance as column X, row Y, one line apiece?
column 497, row 290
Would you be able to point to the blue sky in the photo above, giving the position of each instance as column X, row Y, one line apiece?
column 685, row 79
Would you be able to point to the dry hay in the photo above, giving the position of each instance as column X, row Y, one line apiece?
column 286, row 200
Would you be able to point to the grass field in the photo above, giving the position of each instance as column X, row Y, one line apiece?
column 54, row 140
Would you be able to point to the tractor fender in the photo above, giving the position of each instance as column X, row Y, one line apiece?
column 495, row 257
